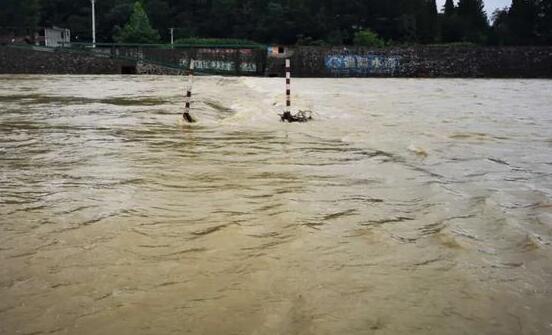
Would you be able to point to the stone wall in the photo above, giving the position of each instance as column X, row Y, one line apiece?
column 126, row 60
column 427, row 62
column 229, row 61
column 44, row 61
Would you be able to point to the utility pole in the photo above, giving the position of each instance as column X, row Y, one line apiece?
column 172, row 37
column 93, row 23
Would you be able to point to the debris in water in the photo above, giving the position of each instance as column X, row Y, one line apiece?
column 418, row 151
column 301, row 116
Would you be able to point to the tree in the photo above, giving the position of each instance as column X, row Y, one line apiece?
column 501, row 28
column 473, row 20
column 449, row 8
column 368, row 38
column 138, row 28
column 519, row 24
column 274, row 25
column 222, row 19
column 112, row 18
column 544, row 21
column 522, row 20
column 286, row 21
column 427, row 20
column 451, row 30
column 19, row 15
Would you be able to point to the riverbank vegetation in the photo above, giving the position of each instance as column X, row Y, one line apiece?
column 305, row 22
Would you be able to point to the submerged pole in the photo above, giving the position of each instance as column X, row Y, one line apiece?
column 187, row 116
column 301, row 116
column 287, row 113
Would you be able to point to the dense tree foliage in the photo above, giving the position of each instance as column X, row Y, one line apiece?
column 525, row 22
column 315, row 22
column 138, row 28
column 472, row 21
column 19, row 15
column 544, row 21
column 451, row 25
column 368, row 38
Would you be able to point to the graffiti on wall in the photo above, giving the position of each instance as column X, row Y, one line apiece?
column 362, row 65
column 221, row 65
column 224, row 60
column 214, row 65
column 248, row 67
column 225, row 51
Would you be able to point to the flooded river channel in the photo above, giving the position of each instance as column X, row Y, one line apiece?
column 406, row 207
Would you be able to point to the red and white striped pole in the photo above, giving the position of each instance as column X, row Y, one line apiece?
column 287, row 113
column 301, row 116
column 187, row 116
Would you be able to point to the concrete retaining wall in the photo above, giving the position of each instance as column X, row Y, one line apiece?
column 117, row 60
column 43, row 61
column 461, row 62
column 429, row 62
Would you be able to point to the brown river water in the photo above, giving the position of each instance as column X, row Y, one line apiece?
column 406, row 207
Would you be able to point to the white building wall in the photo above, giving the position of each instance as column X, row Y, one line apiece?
column 56, row 37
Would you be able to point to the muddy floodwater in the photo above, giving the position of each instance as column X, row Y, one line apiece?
column 405, row 207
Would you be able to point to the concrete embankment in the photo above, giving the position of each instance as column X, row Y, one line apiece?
column 47, row 61
column 415, row 62
column 425, row 61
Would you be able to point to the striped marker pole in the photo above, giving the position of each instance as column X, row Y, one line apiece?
column 187, row 116
column 301, row 116
column 287, row 113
